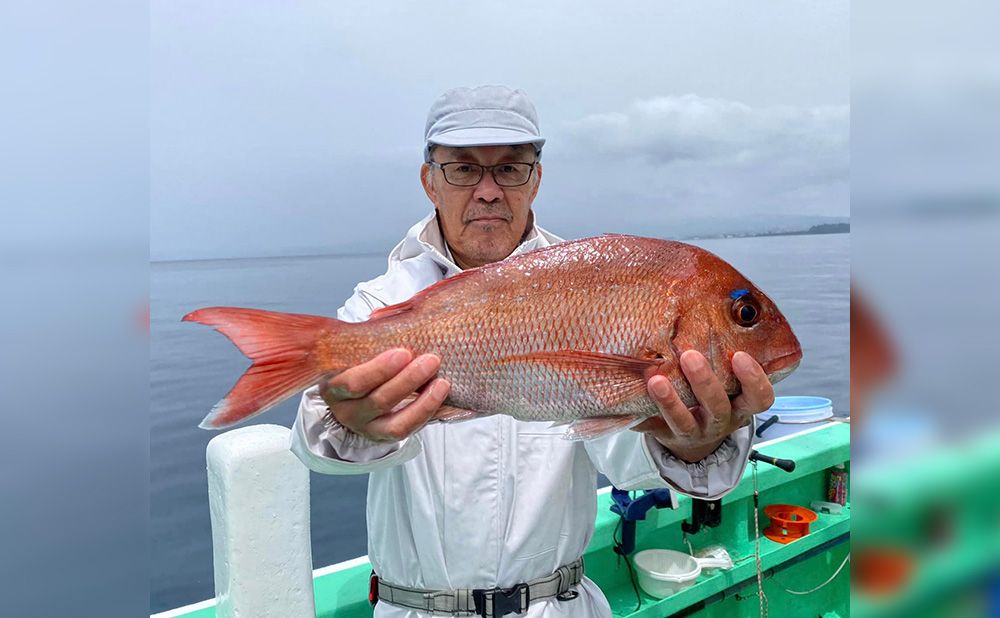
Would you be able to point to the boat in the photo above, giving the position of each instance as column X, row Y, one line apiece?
column 808, row 576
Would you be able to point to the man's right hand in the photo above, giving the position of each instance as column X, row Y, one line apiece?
column 363, row 397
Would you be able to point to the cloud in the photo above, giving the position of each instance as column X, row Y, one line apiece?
column 690, row 127
column 711, row 157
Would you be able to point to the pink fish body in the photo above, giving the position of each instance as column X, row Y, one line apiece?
column 568, row 333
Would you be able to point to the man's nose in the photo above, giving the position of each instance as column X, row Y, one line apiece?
column 488, row 190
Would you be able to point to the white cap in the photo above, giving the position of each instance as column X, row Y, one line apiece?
column 482, row 116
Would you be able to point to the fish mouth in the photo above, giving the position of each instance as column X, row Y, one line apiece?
column 780, row 368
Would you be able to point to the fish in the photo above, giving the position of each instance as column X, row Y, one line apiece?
column 568, row 333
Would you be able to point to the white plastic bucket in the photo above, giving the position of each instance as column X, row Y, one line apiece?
column 663, row 572
column 795, row 414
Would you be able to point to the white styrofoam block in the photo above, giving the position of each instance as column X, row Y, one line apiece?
column 259, row 498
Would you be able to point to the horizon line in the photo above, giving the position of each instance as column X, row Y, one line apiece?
column 716, row 236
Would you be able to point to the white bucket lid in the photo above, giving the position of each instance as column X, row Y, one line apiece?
column 799, row 409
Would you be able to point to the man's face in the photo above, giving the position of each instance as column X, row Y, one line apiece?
column 482, row 223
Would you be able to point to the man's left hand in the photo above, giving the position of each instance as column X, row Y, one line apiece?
column 693, row 434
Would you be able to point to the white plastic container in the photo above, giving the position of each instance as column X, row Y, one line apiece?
column 795, row 414
column 663, row 572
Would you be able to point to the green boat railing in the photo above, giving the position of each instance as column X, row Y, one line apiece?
column 786, row 569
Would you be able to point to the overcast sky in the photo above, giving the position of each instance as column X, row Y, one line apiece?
column 292, row 128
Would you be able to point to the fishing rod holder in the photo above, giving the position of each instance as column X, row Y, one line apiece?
column 707, row 513
column 632, row 511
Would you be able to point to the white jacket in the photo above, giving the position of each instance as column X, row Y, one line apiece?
column 492, row 501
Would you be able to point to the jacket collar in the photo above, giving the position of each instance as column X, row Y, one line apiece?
column 424, row 239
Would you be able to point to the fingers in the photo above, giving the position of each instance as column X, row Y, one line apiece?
column 358, row 381
column 693, row 434
column 414, row 375
column 397, row 426
column 757, row 393
column 679, row 419
column 706, row 386
column 361, row 396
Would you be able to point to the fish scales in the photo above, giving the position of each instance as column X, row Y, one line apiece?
column 565, row 333
column 511, row 310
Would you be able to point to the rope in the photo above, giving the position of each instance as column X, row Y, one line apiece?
column 832, row 577
column 756, row 526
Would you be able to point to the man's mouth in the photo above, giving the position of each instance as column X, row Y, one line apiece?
column 489, row 220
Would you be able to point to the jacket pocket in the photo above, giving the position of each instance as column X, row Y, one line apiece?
column 543, row 490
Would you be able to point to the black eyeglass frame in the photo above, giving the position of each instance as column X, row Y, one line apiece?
column 482, row 171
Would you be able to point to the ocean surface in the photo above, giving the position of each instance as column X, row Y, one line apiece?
column 192, row 367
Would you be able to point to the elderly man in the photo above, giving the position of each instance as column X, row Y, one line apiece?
column 465, row 508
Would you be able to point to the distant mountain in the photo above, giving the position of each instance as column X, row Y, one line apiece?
column 822, row 228
column 776, row 226
column 830, row 228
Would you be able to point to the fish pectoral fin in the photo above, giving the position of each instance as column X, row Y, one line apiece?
column 582, row 359
column 598, row 426
column 610, row 379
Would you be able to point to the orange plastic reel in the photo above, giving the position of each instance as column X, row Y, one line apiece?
column 788, row 522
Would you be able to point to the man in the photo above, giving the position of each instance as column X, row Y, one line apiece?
column 496, row 502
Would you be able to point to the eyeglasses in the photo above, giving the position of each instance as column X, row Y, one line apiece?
column 469, row 174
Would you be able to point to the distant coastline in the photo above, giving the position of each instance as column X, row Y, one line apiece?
column 822, row 228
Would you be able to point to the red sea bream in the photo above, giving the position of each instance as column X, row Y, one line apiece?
column 568, row 333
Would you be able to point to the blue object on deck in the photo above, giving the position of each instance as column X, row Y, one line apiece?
column 994, row 602
column 799, row 403
column 632, row 511
column 791, row 414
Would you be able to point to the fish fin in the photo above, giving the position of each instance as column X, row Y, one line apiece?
column 599, row 426
column 445, row 414
column 408, row 305
column 398, row 309
column 611, row 379
column 574, row 359
column 449, row 414
column 282, row 347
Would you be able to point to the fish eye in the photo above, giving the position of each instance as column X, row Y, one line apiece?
column 745, row 311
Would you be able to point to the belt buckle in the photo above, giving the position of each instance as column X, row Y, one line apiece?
column 503, row 601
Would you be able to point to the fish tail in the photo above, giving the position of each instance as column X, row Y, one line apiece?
column 284, row 351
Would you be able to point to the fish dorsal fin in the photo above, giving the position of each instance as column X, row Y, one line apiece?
column 398, row 309
column 611, row 379
column 408, row 305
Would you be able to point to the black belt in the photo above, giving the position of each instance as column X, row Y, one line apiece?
column 487, row 602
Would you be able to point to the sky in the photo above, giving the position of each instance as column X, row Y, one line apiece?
column 297, row 128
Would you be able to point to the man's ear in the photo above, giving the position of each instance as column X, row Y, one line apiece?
column 427, row 180
column 538, row 181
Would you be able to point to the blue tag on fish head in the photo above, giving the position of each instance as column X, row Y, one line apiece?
column 740, row 293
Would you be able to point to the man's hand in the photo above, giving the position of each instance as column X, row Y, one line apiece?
column 364, row 398
column 693, row 434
